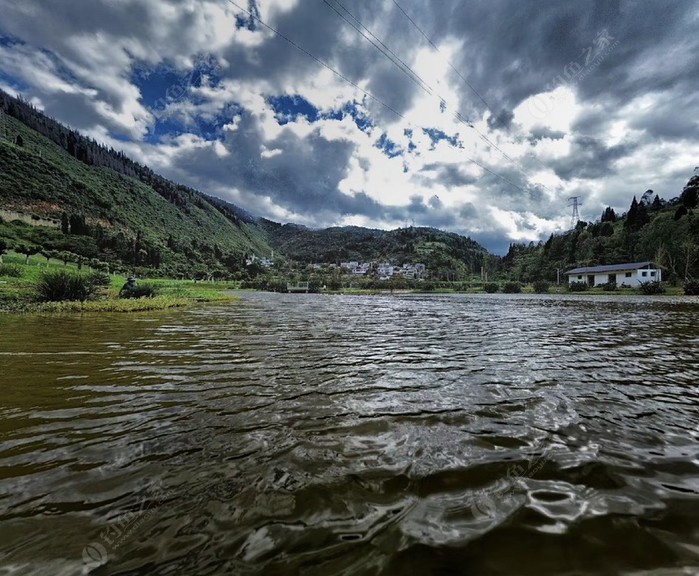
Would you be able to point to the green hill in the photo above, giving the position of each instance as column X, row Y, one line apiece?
column 66, row 195
column 82, row 199
column 666, row 232
column 448, row 256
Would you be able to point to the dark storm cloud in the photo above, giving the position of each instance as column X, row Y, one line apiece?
column 79, row 60
column 302, row 178
column 514, row 49
column 589, row 157
column 541, row 132
column 449, row 175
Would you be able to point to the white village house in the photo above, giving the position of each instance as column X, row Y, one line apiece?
column 632, row 274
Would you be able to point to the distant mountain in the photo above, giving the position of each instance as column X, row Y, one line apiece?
column 85, row 201
column 445, row 254
column 98, row 203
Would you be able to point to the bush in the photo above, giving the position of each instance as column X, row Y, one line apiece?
column 577, row 286
column 608, row 287
column 491, row 287
column 651, row 288
column 540, row 286
column 512, row 288
column 10, row 270
column 61, row 285
column 691, row 288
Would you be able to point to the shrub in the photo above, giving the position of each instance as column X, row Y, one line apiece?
column 691, row 288
column 577, row 286
column 61, row 285
column 491, row 287
column 512, row 288
column 608, row 287
column 650, row 288
column 10, row 270
column 540, row 286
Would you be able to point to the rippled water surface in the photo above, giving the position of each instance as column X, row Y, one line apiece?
column 327, row 435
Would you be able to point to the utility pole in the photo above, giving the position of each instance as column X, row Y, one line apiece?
column 574, row 202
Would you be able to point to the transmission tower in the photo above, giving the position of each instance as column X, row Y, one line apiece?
column 574, row 202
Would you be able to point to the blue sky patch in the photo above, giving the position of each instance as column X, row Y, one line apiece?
column 246, row 20
column 290, row 108
column 437, row 136
column 388, row 146
column 165, row 85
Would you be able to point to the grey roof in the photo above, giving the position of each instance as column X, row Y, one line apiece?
column 610, row 268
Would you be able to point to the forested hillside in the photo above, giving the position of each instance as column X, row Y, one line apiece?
column 448, row 256
column 666, row 232
column 95, row 203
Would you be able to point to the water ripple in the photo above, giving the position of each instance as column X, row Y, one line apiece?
column 354, row 435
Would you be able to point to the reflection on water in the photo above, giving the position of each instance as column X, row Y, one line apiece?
column 349, row 435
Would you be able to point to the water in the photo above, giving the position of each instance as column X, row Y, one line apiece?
column 327, row 435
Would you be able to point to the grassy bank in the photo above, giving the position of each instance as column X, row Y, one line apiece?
column 18, row 290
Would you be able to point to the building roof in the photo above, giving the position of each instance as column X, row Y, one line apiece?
column 610, row 268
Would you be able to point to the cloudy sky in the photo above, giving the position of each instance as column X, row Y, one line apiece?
column 476, row 116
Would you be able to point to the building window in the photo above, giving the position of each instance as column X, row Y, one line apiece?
column 580, row 277
column 652, row 273
column 644, row 273
column 628, row 274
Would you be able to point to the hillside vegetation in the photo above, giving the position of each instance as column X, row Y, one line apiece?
column 666, row 232
column 107, row 207
column 447, row 256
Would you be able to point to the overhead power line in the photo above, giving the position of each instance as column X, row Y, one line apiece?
column 424, row 85
column 426, row 37
column 385, row 50
column 465, row 81
column 362, row 90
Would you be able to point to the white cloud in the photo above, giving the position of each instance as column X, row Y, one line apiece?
column 80, row 63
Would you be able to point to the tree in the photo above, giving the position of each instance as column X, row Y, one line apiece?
column 636, row 217
column 48, row 254
column 26, row 250
column 19, row 141
column 65, row 225
column 78, row 225
column 4, row 247
column 66, row 257
column 608, row 215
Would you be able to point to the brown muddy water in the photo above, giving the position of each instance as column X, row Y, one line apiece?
column 328, row 435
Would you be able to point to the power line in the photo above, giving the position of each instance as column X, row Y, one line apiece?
column 426, row 87
column 465, row 81
column 365, row 92
column 400, row 64
column 318, row 60
column 426, row 37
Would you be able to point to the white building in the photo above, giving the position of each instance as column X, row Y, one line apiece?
column 631, row 274
column 385, row 271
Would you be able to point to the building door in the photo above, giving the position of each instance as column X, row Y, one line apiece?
column 611, row 279
column 591, row 279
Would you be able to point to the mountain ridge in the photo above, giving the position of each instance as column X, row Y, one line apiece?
column 120, row 210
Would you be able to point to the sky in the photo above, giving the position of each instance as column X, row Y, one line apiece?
column 481, row 117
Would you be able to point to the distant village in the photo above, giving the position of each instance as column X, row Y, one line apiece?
column 383, row 271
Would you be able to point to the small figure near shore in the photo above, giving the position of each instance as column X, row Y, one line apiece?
column 128, row 289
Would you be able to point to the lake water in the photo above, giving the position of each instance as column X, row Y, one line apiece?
column 324, row 435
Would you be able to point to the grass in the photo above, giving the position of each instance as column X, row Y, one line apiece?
column 115, row 305
column 17, row 294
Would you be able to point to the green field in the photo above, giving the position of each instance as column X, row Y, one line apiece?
column 18, row 294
